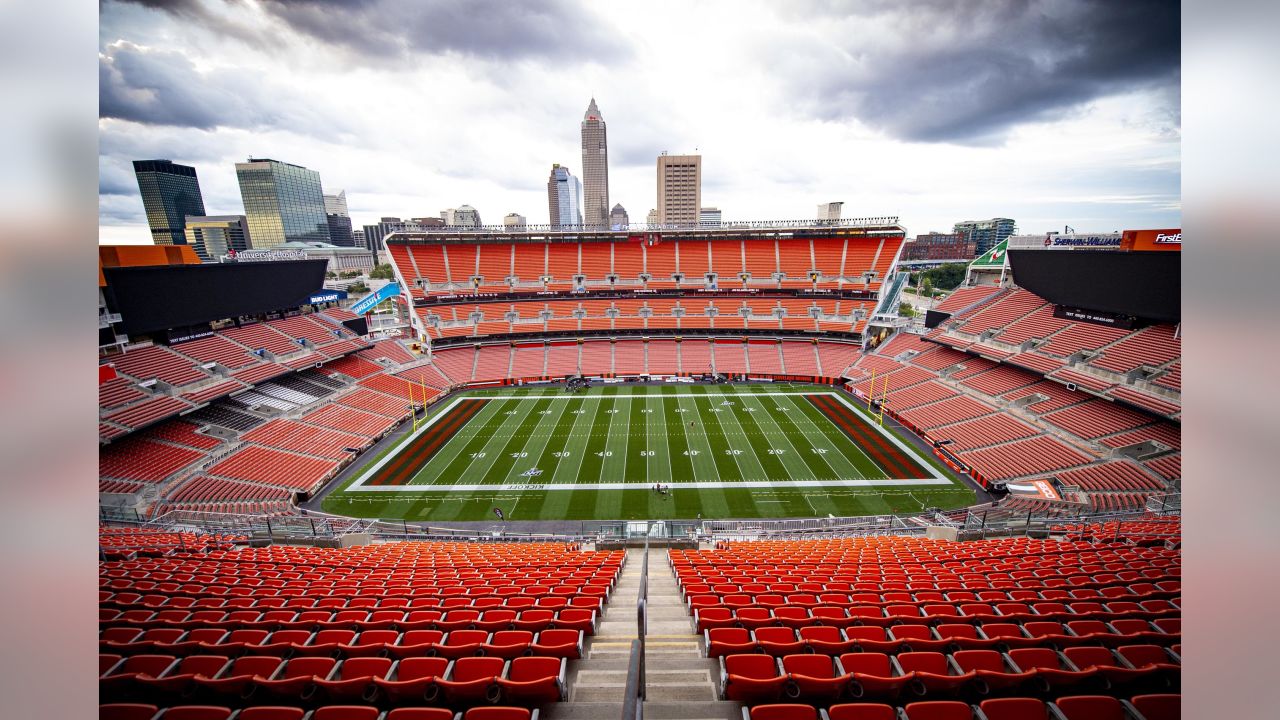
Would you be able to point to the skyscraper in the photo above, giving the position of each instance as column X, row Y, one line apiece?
column 709, row 217
column 595, row 168
column 986, row 234
column 170, row 192
column 618, row 217
column 336, row 204
column 213, row 236
column 282, row 202
column 829, row 210
column 679, row 189
column 564, row 198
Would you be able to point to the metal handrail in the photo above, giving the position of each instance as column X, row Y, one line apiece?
column 633, row 700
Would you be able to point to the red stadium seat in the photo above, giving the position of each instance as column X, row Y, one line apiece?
column 875, row 675
column 353, row 678
column 750, row 679
column 471, row 680
column 412, row 713
column 862, row 711
column 938, row 710
column 1089, row 707
column 814, row 678
column 412, row 680
column 499, row 713
column 533, row 681
column 126, row 711
column 783, row 712
column 1159, row 707
column 198, row 712
column 346, row 712
column 271, row 712
column 1014, row 708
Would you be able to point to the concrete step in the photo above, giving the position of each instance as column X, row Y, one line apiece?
column 713, row 710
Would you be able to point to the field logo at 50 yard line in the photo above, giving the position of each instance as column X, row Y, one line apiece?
column 396, row 471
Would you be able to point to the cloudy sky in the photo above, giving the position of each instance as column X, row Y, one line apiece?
column 1052, row 112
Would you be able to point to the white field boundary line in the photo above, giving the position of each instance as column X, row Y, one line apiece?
column 359, row 485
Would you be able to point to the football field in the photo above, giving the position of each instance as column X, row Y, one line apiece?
column 722, row 451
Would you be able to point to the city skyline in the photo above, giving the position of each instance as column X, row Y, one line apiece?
column 791, row 107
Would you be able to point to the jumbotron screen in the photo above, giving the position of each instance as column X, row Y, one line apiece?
column 156, row 298
column 1146, row 285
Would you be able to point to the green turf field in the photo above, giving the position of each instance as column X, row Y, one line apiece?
column 748, row 451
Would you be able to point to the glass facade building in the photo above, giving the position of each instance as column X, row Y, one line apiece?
column 170, row 192
column 986, row 234
column 282, row 203
column 217, row 235
column 564, row 198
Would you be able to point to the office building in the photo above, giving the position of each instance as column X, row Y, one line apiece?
column 336, row 204
column 830, row 210
column 618, row 217
column 340, row 230
column 170, row 192
column 374, row 235
column 357, row 238
column 595, row 168
column 213, row 236
column 515, row 221
column 564, row 198
column 652, row 217
column 986, row 234
column 679, row 189
column 339, row 259
column 282, row 202
column 709, row 217
column 940, row 246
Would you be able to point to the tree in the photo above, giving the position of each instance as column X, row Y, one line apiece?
column 946, row 277
column 382, row 272
column 906, row 310
column 358, row 287
column 927, row 287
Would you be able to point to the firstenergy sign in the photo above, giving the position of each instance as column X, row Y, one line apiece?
column 1165, row 240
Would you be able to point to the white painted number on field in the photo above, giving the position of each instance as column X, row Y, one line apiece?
column 749, row 409
column 578, row 412
column 646, row 410
column 691, row 452
column 715, row 409
column 562, row 454
column 519, row 454
column 510, row 412
column 647, row 453
column 477, row 455
column 679, row 410
column 611, row 412
column 776, row 451
column 606, row 453
column 544, row 412
column 732, row 452
column 820, row 451
column 781, row 409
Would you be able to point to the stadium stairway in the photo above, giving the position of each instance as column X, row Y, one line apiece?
column 680, row 682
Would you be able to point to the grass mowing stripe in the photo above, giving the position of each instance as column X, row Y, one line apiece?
column 806, row 460
column 726, row 465
column 495, row 463
column 737, row 413
column 840, row 440
column 411, row 459
column 890, row 458
column 461, row 463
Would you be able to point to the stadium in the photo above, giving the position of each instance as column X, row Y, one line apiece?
column 692, row 472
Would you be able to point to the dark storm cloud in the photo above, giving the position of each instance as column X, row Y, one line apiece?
column 165, row 88
column 967, row 72
column 383, row 30
column 490, row 29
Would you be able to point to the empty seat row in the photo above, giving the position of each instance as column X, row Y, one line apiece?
column 564, row 642
column 1162, row 706
column 823, row 680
